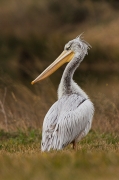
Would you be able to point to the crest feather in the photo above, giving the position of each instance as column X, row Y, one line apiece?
column 81, row 39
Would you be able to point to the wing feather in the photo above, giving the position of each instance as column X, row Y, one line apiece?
column 69, row 119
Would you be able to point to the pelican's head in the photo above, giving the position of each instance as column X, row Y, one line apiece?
column 77, row 45
column 74, row 46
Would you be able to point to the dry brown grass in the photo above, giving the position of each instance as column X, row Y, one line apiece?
column 25, row 108
column 97, row 158
column 22, row 108
column 66, row 165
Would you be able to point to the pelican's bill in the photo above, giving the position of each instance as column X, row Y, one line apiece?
column 64, row 57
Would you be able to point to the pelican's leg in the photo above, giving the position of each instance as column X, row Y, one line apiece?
column 74, row 145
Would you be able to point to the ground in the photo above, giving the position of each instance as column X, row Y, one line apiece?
column 97, row 157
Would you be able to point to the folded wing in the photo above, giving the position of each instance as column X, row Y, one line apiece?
column 69, row 119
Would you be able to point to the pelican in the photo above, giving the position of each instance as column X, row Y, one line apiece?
column 70, row 118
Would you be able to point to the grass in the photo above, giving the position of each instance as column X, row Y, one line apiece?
column 20, row 155
column 57, row 166
column 21, row 158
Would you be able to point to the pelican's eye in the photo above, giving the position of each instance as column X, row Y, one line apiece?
column 68, row 48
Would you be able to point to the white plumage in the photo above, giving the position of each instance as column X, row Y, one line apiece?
column 70, row 118
column 67, row 120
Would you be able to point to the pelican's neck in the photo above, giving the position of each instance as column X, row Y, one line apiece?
column 67, row 85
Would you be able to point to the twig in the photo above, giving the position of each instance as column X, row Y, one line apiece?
column 3, row 109
column 4, row 95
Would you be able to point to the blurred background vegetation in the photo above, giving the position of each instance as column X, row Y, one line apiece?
column 32, row 34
